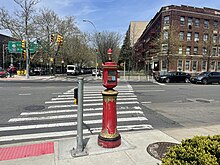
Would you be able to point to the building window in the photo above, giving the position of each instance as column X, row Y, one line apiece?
column 204, row 51
column 180, row 50
column 214, row 38
column 166, row 20
column 181, row 36
column 215, row 24
column 205, row 37
column 164, row 64
column 180, row 65
column 218, row 66
column 214, row 51
column 182, row 20
column 206, row 24
column 195, row 50
column 196, row 37
column 204, row 65
column 187, row 65
column 212, row 67
column 197, row 22
column 189, row 21
column 164, row 48
column 188, row 50
column 194, row 65
column 189, row 36
column 165, row 35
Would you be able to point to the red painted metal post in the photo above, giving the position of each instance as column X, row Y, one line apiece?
column 109, row 136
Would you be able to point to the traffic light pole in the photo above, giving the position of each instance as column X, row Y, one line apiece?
column 27, row 58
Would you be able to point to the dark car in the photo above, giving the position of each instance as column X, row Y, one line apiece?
column 3, row 73
column 175, row 77
column 206, row 78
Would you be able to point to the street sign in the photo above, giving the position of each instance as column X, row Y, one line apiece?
column 15, row 47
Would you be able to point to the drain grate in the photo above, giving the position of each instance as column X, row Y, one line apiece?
column 34, row 107
column 158, row 150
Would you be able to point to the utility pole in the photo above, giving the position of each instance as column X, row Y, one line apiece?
column 27, row 57
column 96, row 60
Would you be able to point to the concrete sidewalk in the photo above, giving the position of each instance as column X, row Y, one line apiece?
column 18, row 77
column 132, row 151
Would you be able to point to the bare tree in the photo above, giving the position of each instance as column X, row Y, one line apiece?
column 21, row 23
column 105, row 40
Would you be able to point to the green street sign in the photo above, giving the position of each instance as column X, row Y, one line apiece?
column 15, row 47
column 32, row 47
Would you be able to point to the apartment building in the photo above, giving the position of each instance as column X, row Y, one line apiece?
column 181, row 38
column 4, row 59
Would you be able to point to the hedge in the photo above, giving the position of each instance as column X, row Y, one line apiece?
column 200, row 150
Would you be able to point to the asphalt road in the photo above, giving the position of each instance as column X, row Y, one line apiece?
column 179, row 105
column 18, row 96
column 151, row 105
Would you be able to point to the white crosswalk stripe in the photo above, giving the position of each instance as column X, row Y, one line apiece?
column 59, row 118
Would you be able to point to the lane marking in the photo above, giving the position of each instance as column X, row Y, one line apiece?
column 68, row 116
column 68, row 133
column 75, row 110
column 89, row 97
column 51, row 125
column 24, row 94
column 95, row 104
column 98, row 94
column 92, row 100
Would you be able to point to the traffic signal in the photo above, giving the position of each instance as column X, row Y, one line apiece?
column 24, row 54
column 58, row 38
column 23, row 43
column 52, row 37
column 60, row 41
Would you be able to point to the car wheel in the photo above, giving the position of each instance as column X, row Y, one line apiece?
column 167, row 80
column 205, row 81
column 187, row 80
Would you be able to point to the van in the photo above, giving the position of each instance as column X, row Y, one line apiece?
column 72, row 70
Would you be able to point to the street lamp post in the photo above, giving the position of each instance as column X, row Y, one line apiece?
column 96, row 70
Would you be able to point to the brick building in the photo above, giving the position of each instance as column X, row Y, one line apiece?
column 4, row 59
column 181, row 38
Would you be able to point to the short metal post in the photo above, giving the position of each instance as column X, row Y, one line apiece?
column 79, row 151
column 80, row 115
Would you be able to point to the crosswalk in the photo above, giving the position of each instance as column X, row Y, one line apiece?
column 59, row 118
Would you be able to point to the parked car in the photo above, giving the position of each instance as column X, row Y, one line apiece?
column 174, row 77
column 3, row 73
column 99, row 72
column 206, row 78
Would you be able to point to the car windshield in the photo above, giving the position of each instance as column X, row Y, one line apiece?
column 203, row 74
column 170, row 73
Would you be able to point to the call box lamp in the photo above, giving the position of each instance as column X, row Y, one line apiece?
column 109, row 137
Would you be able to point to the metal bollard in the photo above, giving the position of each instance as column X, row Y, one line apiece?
column 79, row 151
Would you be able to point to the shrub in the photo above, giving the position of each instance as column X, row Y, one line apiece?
column 200, row 150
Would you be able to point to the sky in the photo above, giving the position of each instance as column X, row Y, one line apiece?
column 109, row 15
